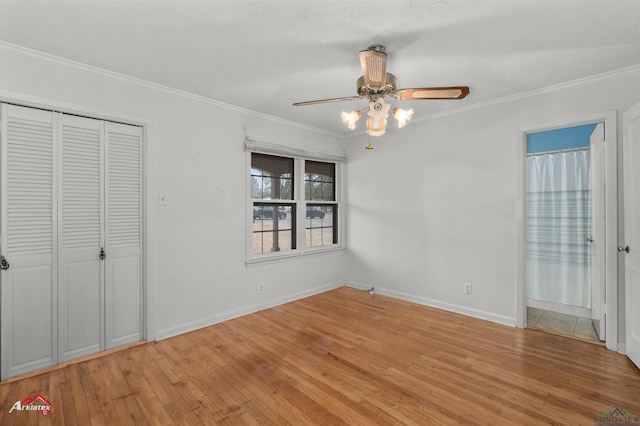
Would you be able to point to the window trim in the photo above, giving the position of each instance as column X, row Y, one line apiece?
column 252, row 146
column 270, row 148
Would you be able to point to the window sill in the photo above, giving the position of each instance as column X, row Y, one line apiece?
column 294, row 254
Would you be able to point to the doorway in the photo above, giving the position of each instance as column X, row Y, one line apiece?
column 564, row 197
column 566, row 230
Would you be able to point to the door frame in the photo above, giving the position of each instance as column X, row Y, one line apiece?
column 629, row 116
column 609, row 118
column 148, row 171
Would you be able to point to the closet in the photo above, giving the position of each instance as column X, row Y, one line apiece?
column 71, row 237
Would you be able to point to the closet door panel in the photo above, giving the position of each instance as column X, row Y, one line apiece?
column 28, row 286
column 123, row 234
column 81, row 236
column 124, row 273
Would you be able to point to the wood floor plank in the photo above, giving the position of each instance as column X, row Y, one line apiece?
column 340, row 357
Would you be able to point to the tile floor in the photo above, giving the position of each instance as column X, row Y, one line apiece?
column 570, row 325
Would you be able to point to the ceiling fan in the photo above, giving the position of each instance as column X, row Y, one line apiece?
column 375, row 84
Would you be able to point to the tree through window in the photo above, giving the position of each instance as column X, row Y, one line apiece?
column 272, row 180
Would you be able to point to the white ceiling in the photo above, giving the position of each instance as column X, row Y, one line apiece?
column 263, row 55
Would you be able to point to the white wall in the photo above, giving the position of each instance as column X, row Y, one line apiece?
column 195, row 151
column 433, row 205
column 430, row 208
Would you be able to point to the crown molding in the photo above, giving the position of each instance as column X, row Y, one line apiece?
column 144, row 83
column 534, row 92
column 343, row 135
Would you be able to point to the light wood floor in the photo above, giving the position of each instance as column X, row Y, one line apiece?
column 341, row 357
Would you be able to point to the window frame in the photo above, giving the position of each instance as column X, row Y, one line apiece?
column 300, row 205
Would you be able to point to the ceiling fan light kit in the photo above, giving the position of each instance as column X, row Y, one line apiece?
column 351, row 118
column 375, row 84
column 403, row 116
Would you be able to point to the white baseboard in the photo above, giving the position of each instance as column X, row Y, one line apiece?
column 300, row 295
column 359, row 286
column 226, row 316
column 204, row 322
column 450, row 307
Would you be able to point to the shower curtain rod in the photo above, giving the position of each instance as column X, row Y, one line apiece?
column 557, row 151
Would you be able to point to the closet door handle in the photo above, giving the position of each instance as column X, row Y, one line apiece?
column 102, row 255
column 4, row 265
column 623, row 249
column 590, row 239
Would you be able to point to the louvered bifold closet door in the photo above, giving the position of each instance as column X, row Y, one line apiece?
column 28, row 239
column 81, row 272
column 123, row 234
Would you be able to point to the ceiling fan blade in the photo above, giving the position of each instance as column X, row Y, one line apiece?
column 374, row 67
column 455, row 92
column 324, row 101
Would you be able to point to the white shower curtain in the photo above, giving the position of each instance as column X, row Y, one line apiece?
column 558, row 224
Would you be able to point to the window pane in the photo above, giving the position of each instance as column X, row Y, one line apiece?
column 319, row 179
column 273, row 227
column 271, row 177
column 321, row 225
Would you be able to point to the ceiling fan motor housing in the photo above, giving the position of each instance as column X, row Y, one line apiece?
column 376, row 83
column 373, row 93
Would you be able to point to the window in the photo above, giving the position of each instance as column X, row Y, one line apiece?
column 274, row 225
column 321, row 209
column 281, row 205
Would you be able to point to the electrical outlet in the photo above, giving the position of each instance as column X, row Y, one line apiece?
column 261, row 288
column 467, row 288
